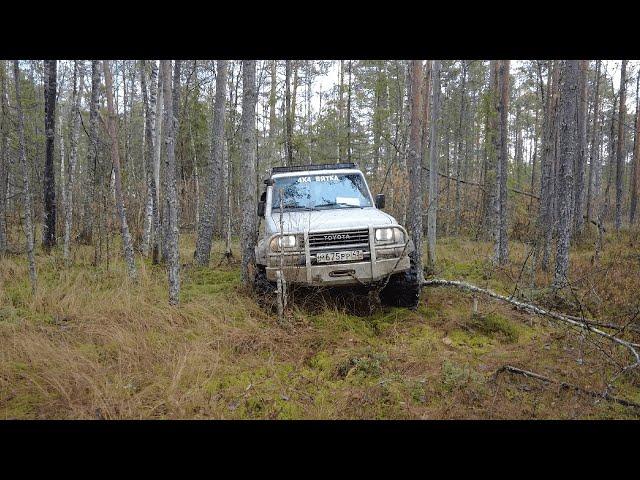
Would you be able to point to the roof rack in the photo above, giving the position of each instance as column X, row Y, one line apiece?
column 302, row 168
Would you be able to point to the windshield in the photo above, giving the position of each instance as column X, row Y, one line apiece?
column 321, row 192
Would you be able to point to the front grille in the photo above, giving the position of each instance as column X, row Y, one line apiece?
column 342, row 239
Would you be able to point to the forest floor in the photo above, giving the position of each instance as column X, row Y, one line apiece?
column 92, row 344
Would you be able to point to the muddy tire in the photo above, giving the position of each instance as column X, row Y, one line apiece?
column 403, row 289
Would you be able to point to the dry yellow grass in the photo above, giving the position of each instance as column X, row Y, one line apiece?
column 91, row 344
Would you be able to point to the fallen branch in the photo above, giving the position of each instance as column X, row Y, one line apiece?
column 573, row 321
column 542, row 378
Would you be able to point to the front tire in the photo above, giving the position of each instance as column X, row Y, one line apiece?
column 403, row 289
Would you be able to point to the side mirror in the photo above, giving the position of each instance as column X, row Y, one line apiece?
column 261, row 209
column 380, row 200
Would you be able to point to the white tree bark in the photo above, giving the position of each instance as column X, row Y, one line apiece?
column 249, row 229
column 26, row 184
column 152, row 221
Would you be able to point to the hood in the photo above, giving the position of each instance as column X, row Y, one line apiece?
column 332, row 219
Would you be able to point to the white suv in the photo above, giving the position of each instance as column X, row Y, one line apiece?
column 323, row 228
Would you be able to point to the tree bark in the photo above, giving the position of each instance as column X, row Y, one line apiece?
column 249, row 228
column 127, row 245
column 620, row 146
column 4, row 155
column 86, row 235
column 578, row 193
column 594, row 153
column 170, row 129
column 210, row 210
column 288, row 121
column 414, row 220
column 635, row 175
column 152, row 222
column 568, row 151
column 501, row 254
column 433, row 167
column 78, row 88
column 26, row 183
column 49, row 183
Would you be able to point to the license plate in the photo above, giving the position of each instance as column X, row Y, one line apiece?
column 326, row 257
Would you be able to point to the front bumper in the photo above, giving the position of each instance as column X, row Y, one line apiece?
column 347, row 273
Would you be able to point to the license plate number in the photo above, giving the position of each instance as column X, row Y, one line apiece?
column 326, row 257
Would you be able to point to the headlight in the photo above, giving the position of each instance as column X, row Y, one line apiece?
column 389, row 235
column 384, row 235
column 284, row 241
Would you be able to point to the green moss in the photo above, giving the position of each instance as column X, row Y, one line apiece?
column 477, row 344
column 494, row 324
column 321, row 361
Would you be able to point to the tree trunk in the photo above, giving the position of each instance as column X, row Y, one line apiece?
column 424, row 147
column 249, row 228
column 459, row 154
column 127, row 245
column 26, row 183
column 620, row 146
column 433, row 167
column 349, row 115
column 635, row 175
column 414, row 220
column 4, row 156
column 568, row 151
column 210, row 210
column 170, row 130
column 49, row 183
column 501, row 255
column 152, row 222
column 545, row 218
column 86, row 236
column 594, row 153
column 274, row 156
column 581, row 158
column 287, row 114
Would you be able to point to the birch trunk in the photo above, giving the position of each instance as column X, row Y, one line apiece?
column 249, row 229
column 78, row 88
column 26, row 184
column 170, row 128
column 433, row 167
column 288, row 120
column 568, row 151
column 127, row 245
column 210, row 210
column 152, row 222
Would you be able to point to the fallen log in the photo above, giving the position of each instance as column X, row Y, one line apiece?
column 542, row 378
column 573, row 321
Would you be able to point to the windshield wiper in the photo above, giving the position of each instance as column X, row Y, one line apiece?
column 332, row 204
column 277, row 210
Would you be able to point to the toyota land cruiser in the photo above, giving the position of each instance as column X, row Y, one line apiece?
column 322, row 228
